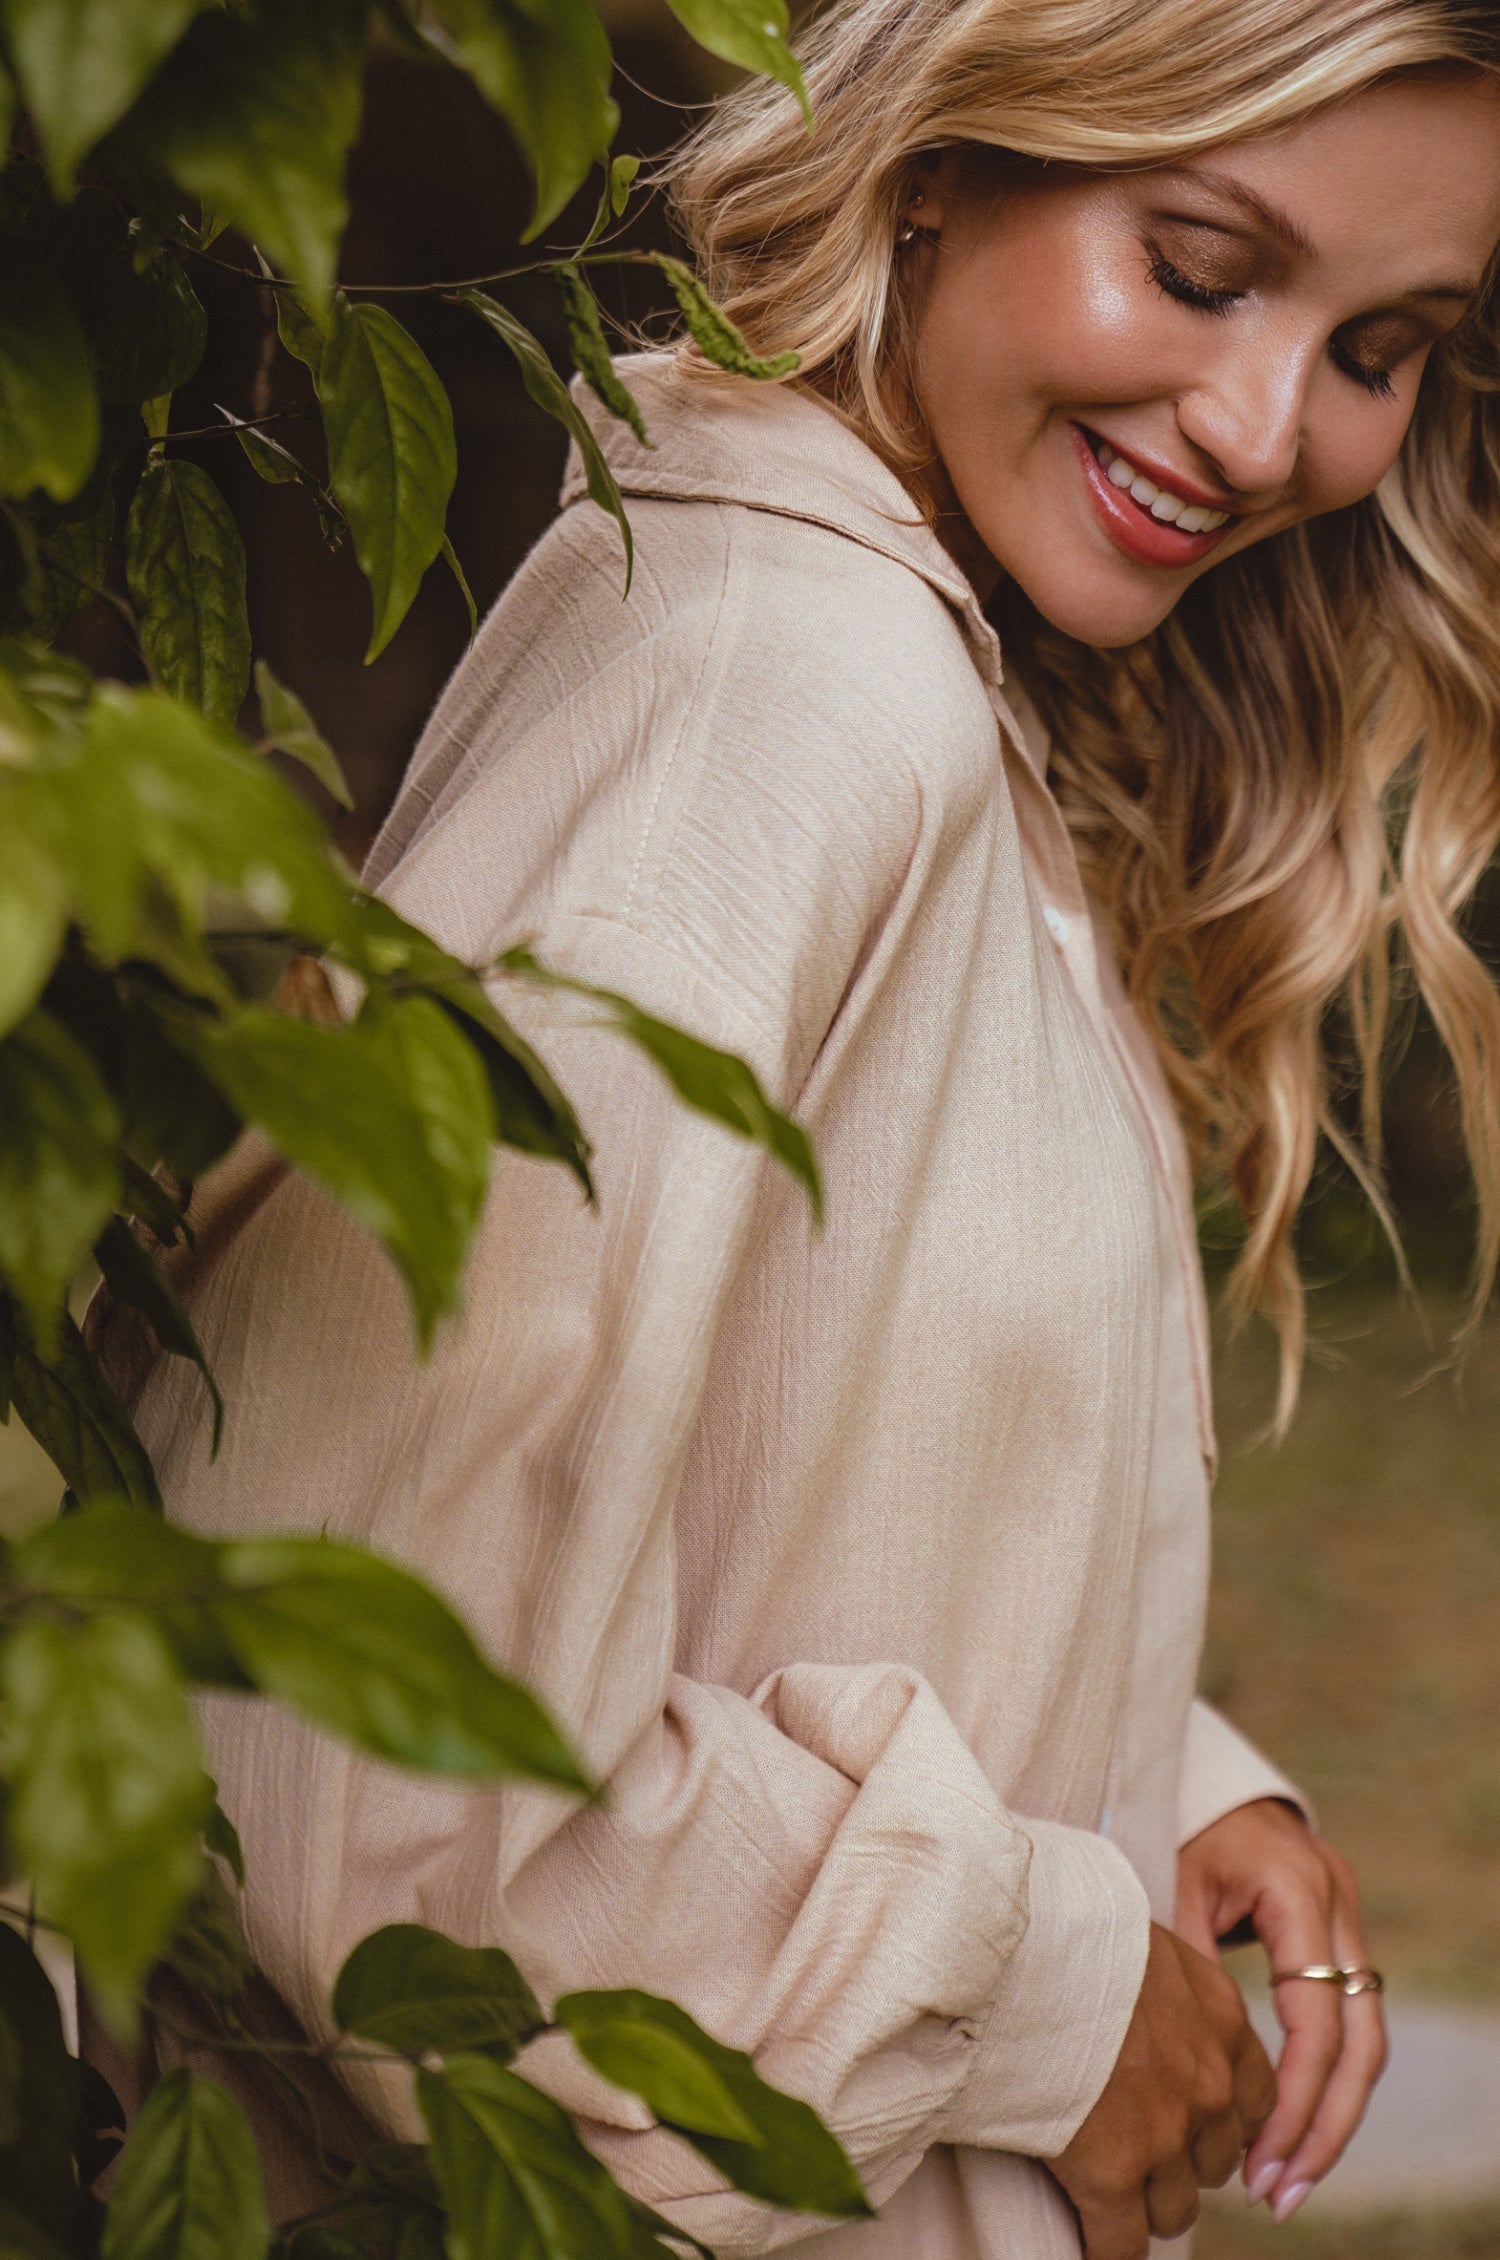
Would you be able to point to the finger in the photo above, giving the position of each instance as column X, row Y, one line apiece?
column 1116, row 2230
column 1297, row 1929
column 1194, row 1918
column 1172, row 2199
column 1360, row 2064
column 1362, row 2058
column 1216, row 2150
column 1254, row 2085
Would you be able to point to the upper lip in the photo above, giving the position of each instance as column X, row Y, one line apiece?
column 1163, row 475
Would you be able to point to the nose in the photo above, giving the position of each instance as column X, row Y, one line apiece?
column 1246, row 413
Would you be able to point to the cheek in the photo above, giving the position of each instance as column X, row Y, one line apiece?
column 1348, row 448
column 1041, row 317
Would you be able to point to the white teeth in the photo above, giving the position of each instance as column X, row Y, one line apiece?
column 1188, row 517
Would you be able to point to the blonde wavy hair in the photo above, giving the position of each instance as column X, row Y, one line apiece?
column 1284, row 797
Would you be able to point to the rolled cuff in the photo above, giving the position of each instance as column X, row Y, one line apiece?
column 1059, row 2017
column 1222, row 1771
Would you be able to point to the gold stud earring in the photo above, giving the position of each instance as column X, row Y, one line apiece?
column 907, row 234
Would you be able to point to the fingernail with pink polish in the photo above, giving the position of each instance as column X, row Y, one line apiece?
column 1288, row 2200
column 1264, row 2180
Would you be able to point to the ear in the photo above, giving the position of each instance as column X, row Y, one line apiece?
column 935, row 184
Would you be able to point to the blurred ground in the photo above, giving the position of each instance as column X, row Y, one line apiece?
column 1354, row 1633
column 1355, row 1627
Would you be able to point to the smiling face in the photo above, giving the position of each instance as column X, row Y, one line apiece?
column 1128, row 377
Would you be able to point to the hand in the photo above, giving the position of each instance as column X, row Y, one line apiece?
column 1263, row 1862
column 1190, row 2088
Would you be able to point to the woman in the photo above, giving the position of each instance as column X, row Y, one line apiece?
column 868, row 1567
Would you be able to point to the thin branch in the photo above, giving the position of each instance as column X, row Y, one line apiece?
column 450, row 288
column 240, row 424
column 252, row 2045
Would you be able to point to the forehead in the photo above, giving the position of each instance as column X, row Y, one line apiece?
column 1404, row 172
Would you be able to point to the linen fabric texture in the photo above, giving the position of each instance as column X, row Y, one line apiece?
column 866, row 1567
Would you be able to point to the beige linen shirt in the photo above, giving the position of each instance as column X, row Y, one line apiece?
column 866, row 1567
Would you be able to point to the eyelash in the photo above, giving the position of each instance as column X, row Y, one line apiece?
column 1189, row 293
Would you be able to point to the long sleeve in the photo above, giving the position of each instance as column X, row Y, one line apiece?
column 1221, row 1771
column 816, row 1864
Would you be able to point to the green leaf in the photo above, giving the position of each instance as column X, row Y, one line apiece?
column 149, row 328
column 79, row 1421
column 410, row 1988
column 112, row 1553
column 531, row 1112
column 302, row 332
column 653, row 2227
column 74, row 558
column 752, row 33
column 711, row 329
column 151, row 1202
column 286, row 724
column 450, row 559
column 173, row 1109
column 391, row 454
column 109, row 1792
column 548, row 391
column 791, row 2160
column 207, row 1947
column 619, row 176
column 81, row 64
column 59, row 1178
column 49, row 408
column 36, row 2168
column 33, row 915
column 591, row 352
column 255, row 115
column 391, row 1115
column 201, row 812
column 185, row 563
column 623, row 2036
column 135, row 1278
column 188, row 2185
column 267, row 458
column 368, row 1652
column 713, row 1082
column 514, row 2176
column 545, row 65
column 222, row 1838
column 621, row 179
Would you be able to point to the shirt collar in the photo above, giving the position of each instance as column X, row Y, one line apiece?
column 779, row 448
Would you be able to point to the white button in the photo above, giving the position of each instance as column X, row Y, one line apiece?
column 1056, row 924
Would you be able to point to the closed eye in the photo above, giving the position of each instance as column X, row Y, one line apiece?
column 1376, row 381
column 1182, row 287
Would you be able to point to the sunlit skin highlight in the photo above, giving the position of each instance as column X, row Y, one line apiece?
column 1247, row 330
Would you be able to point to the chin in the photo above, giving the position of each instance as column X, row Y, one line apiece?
column 1107, row 618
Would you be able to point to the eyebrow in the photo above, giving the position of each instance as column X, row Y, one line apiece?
column 1285, row 228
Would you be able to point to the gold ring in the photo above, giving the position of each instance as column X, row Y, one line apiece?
column 1350, row 1978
